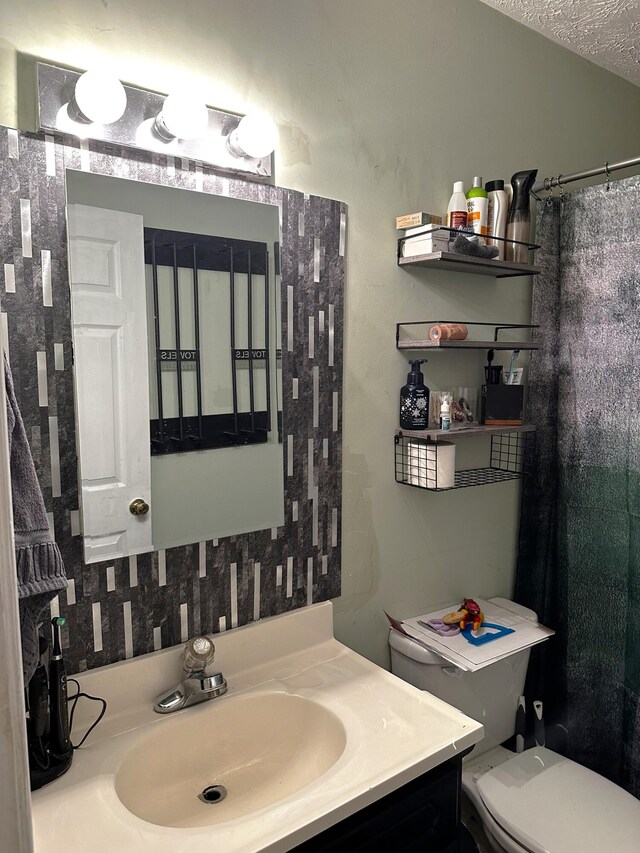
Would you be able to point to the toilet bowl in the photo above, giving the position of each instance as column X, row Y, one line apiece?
column 536, row 801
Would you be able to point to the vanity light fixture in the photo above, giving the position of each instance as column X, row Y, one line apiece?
column 183, row 116
column 255, row 136
column 94, row 105
column 98, row 98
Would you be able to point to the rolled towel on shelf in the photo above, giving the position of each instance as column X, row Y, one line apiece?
column 463, row 246
column 449, row 332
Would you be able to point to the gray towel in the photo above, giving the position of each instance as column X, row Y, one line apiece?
column 39, row 563
column 463, row 246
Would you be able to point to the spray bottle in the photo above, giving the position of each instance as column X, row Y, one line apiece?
column 519, row 219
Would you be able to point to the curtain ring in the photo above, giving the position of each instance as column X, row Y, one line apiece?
column 608, row 174
column 548, row 188
column 559, row 185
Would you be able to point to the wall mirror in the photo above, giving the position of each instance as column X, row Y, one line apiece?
column 176, row 324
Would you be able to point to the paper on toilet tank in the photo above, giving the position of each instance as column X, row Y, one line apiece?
column 471, row 658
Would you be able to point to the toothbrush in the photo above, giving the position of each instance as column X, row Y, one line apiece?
column 538, row 723
column 521, row 725
column 59, row 742
column 512, row 366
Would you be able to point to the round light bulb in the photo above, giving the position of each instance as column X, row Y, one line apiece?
column 183, row 116
column 67, row 122
column 100, row 97
column 255, row 136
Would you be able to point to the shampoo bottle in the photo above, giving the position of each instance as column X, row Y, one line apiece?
column 519, row 220
column 457, row 209
column 414, row 400
column 497, row 215
column 477, row 209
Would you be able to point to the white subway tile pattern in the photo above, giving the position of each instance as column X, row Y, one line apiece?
column 54, row 452
column 25, row 227
column 45, row 262
column 58, row 356
column 9, row 278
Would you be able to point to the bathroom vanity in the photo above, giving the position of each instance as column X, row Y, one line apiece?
column 313, row 747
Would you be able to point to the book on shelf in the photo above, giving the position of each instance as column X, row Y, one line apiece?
column 430, row 228
column 424, row 244
column 411, row 220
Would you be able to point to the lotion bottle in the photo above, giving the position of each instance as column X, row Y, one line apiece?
column 414, row 400
column 478, row 209
column 497, row 215
column 457, row 209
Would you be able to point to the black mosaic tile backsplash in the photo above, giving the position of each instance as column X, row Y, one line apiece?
column 131, row 606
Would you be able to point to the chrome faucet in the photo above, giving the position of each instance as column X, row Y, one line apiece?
column 196, row 686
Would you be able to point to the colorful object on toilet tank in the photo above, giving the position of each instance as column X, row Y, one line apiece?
column 495, row 634
column 469, row 613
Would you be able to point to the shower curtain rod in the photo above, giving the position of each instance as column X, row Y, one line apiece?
column 557, row 180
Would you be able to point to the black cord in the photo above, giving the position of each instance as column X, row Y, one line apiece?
column 74, row 699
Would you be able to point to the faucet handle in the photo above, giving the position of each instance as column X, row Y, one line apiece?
column 198, row 654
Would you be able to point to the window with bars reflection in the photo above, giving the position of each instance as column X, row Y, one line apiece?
column 214, row 326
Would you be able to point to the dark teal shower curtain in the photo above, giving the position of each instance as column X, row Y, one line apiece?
column 579, row 554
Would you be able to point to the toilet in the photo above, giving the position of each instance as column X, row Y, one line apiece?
column 536, row 801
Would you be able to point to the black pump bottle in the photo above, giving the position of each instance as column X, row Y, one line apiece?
column 414, row 400
column 519, row 219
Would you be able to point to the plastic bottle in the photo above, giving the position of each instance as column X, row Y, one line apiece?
column 519, row 219
column 477, row 208
column 497, row 215
column 457, row 209
column 414, row 400
column 445, row 414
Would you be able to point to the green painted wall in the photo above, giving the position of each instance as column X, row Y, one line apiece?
column 383, row 104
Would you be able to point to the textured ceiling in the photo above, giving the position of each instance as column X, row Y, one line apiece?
column 606, row 32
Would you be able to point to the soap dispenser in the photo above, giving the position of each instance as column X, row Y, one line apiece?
column 414, row 399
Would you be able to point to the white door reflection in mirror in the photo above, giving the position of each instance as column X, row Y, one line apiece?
column 107, row 278
column 217, row 471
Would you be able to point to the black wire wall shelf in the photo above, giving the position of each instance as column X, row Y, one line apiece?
column 445, row 260
column 407, row 340
column 416, row 458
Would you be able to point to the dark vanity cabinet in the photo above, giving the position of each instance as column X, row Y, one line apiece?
column 421, row 817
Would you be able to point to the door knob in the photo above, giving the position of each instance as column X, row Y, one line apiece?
column 138, row 507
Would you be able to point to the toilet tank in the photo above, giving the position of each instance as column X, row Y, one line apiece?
column 489, row 696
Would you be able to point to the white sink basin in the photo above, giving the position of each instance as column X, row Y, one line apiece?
column 308, row 734
column 260, row 748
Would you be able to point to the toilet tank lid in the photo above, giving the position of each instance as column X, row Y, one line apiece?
column 548, row 802
column 526, row 632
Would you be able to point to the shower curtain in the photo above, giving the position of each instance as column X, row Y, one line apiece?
column 579, row 550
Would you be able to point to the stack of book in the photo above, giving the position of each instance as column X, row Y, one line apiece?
column 425, row 240
column 423, row 234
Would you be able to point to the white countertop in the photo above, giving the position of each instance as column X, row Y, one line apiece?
column 394, row 733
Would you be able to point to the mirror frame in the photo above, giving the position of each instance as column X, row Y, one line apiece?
column 136, row 605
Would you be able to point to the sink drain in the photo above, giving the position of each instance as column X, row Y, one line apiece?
column 213, row 794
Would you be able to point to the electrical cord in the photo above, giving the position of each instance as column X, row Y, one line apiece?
column 74, row 700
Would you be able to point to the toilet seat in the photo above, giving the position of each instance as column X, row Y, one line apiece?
column 549, row 804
